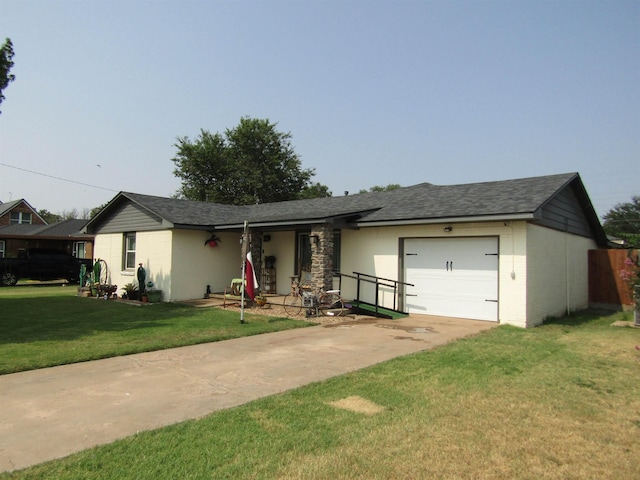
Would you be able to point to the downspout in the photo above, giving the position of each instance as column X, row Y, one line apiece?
column 566, row 264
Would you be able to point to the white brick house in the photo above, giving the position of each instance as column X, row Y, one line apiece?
column 511, row 251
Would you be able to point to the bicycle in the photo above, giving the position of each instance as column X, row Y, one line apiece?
column 328, row 303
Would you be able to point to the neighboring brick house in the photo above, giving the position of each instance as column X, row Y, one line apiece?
column 22, row 228
column 19, row 212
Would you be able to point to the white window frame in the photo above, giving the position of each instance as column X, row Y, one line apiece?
column 129, row 251
column 19, row 218
column 2, row 249
column 80, row 249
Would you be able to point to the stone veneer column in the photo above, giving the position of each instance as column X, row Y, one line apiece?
column 322, row 256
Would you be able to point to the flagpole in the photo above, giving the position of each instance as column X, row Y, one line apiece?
column 244, row 270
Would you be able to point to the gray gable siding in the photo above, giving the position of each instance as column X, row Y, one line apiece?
column 563, row 212
column 128, row 217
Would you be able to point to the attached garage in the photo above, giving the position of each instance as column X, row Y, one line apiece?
column 452, row 277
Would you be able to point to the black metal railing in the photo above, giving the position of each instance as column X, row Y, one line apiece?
column 379, row 283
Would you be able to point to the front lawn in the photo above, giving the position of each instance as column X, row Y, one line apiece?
column 561, row 401
column 44, row 326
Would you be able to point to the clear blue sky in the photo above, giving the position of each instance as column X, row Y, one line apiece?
column 373, row 92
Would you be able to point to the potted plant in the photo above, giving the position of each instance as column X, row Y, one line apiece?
column 130, row 292
column 153, row 295
column 269, row 261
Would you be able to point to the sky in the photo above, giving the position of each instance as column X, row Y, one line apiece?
column 373, row 92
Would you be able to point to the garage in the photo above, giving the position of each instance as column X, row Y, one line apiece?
column 452, row 277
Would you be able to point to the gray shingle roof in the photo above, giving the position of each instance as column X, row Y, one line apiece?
column 507, row 197
column 63, row 229
column 424, row 201
column 5, row 207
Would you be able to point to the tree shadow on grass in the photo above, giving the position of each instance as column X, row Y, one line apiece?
column 583, row 317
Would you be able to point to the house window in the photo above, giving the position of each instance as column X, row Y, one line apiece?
column 79, row 250
column 19, row 218
column 129, row 260
column 2, row 248
column 337, row 244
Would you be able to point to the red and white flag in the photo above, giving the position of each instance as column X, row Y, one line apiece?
column 250, row 277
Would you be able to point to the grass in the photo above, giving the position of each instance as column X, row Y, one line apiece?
column 561, row 401
column 44, row 326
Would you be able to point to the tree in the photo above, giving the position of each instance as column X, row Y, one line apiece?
column 49, row 217
column 249, row 164
column 378, row 188
column 315, row 190
column 6, row 62
column 96, row 210
column 623, row 221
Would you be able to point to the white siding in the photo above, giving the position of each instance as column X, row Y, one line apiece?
column 177, row 262
column 194, row 265
column 281, row 246
column 153, row 250
column 557, row 273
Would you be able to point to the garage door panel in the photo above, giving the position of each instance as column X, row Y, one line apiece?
column 455, row 277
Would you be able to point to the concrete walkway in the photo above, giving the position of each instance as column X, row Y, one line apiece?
column 53, row 412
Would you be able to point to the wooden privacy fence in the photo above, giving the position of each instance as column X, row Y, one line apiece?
column 606, row 287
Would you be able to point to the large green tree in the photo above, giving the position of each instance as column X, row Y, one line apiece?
column 6, row 62
column 249, row 164
column 623, row 221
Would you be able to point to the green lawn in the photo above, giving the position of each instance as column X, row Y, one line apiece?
column 561, row 401
column 49, row 325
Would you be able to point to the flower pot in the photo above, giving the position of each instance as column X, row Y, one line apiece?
column 154, row 296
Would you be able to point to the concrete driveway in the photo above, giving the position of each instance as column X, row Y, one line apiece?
column 53, row 412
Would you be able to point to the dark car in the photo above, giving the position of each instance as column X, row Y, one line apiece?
column 41, row 264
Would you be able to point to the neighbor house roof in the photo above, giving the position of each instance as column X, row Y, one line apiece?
column 423, row 203
column 8, row 206
column 65, row 229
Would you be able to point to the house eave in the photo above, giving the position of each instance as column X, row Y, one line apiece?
column 185, row 226
column 49, row 237
column 432, row 221
column 274, row 224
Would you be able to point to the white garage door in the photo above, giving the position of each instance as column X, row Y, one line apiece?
column 452, row 277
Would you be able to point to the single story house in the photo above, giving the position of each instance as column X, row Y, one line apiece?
column 512, row 251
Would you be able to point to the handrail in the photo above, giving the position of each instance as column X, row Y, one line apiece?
column 379, row 282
